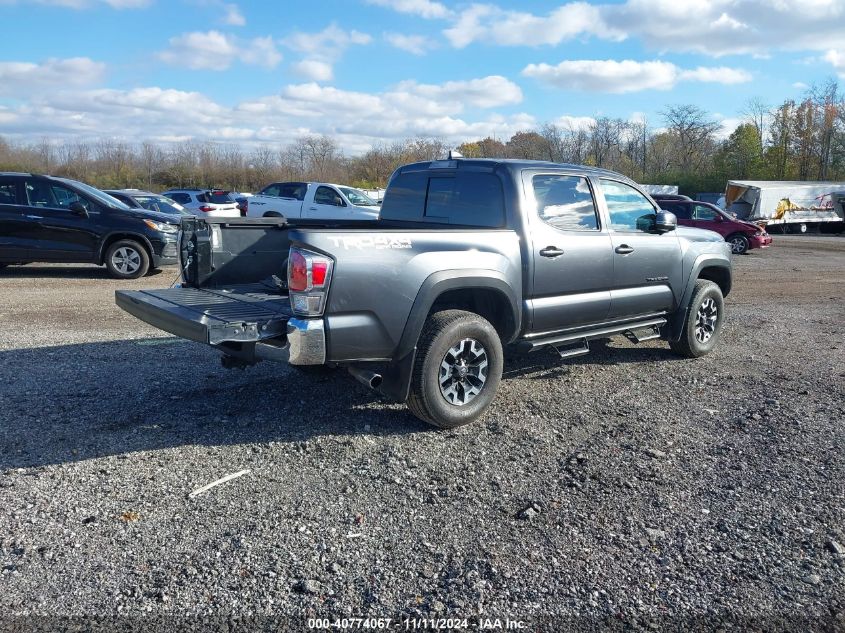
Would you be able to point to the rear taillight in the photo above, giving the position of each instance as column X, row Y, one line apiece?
column 205, row 208
column 309, row 275
column 244, row 208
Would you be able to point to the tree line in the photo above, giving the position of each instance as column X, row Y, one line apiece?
column 797, row 140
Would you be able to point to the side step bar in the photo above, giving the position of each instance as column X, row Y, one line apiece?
column 562, row 340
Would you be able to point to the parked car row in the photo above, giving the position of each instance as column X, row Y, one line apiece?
column 130, row 231
column 49, row 219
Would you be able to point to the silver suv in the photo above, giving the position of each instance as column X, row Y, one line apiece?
column 206, row 203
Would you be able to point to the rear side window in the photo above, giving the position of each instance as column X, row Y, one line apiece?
column 295, row 190
column 463, row 198
column 8, row 192
column 181, row 198
column 682, row 211
column 565, row 202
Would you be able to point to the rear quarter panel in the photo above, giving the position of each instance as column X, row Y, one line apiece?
column 378, row 276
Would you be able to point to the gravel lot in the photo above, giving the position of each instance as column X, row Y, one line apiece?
column 628, row 488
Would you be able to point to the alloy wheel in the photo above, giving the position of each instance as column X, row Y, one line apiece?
column 737, row 245
column 463, row 372
column 126, row 260
column 705, row 320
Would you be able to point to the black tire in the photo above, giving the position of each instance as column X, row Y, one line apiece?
column 127, row 259
column 739, row 243
column 442, row 332
column 699, row 314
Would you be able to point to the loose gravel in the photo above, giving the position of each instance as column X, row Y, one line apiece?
column 627, row 488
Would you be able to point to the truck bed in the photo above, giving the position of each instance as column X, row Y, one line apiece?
column 242, row 313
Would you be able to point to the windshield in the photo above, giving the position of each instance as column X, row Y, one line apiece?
column 358, row 197
column 160, row 204
column 99, row 196
column 216, row 197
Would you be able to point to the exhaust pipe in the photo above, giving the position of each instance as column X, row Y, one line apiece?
column 366, row 377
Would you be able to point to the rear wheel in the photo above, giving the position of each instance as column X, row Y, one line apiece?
column 457, row 369
column 739, row 243
column 127, row 259
column 703, row 324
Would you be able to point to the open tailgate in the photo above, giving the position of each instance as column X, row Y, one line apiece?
column 210, row 316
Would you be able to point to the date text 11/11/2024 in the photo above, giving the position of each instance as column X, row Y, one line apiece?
column 416, row 624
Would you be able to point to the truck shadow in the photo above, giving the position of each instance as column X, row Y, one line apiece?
column 76, row 402
column 70, row 271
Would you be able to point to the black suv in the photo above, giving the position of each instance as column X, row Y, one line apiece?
column 50, row 219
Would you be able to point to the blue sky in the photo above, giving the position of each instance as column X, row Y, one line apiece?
column 378, row 71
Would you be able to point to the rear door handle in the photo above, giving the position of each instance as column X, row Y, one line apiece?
column 313, row 209
column 35, row 217
column 551, row 251
column 624, row 249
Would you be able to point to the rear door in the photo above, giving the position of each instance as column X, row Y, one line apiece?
column 15, row 238
column 57, row 233
column 571, row 251
column 646, row 265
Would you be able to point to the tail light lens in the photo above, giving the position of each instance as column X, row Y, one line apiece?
column 244, row 208
column 309, row 275
column 205, row 208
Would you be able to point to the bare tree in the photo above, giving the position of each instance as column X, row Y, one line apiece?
column 693, row 131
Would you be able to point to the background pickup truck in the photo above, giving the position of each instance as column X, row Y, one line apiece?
column 318, row 200
column 469, row 257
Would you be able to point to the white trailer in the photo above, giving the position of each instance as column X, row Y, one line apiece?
column 791, row 206
column 653, row 189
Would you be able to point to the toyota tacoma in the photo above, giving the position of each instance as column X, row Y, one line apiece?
column 469, row 258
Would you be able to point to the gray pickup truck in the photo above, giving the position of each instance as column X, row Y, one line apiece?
column 469, row 257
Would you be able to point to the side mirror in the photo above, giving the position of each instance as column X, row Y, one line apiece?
column 665, row 222
column 719, row 218
column 77, row 208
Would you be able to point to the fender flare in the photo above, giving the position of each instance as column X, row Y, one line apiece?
column 705, row 260
column 397, row 379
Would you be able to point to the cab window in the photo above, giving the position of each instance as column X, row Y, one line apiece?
column 629, row 210
column 327, row 195
column 704, row 213
column 565, row 202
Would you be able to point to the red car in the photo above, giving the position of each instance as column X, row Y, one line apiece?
column 741, row 235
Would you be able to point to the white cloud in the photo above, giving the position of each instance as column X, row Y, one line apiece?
column 214, row 50
column 596, row 75
column 487, row 92
column 574, row 123
column 491, row 24
column 356, row 119
column 837, row 60
column 414, row 44
column 423, row 8
column 23, row 79
column 800, row 85
column 233, row 16
column 323, row 49
column 718, row 75
column 710, row 27
column 330, row 43
column 313, row 70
